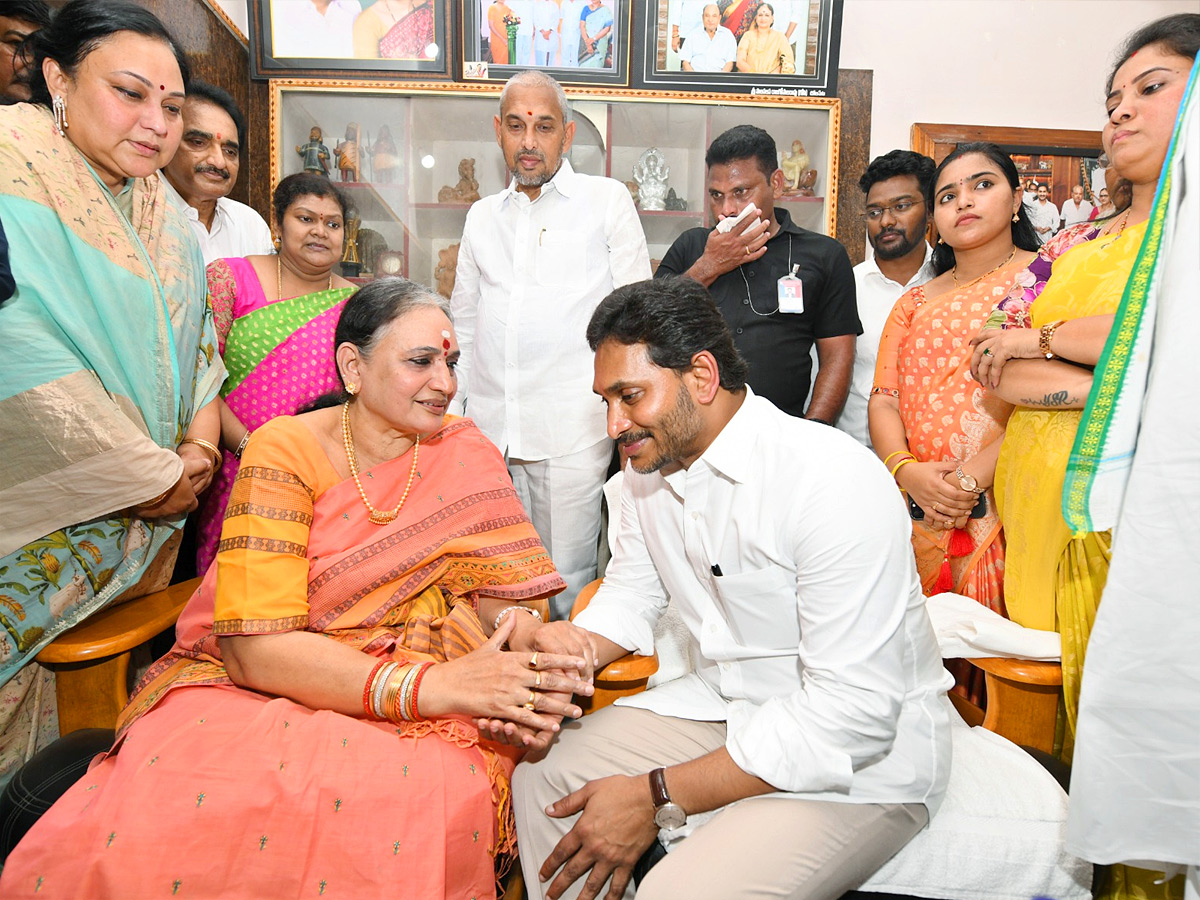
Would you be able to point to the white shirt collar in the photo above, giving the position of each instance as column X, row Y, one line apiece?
column 563, row 182
column 872, row 268
column 730, row 452
column 186, row 208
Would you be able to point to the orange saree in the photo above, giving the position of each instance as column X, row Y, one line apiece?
column 242, row 794
column 925, row 362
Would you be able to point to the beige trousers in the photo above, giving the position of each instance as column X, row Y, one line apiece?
column 761, row 847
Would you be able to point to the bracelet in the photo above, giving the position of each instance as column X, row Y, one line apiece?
column 367, row 687
column 381, row 681
column 1044, row 337
column 415, row 709
column 237, row 454
column 533, row 612
column 154, row 501
column 887, row 459
column 217, row 457
column 902, row 464
column 389, row 707
column 404, row 697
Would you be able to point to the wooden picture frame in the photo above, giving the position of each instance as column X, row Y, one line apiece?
column 568, row 59
column 284, row 43
column 812, row 31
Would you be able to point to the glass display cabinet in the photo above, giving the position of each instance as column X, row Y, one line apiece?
column 412, row 157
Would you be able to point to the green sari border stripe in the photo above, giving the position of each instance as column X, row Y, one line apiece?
column 1113, row 365
column 270, row 326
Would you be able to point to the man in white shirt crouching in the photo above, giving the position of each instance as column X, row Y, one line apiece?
column 535, row 260
column 811, row 740
column 204, row 170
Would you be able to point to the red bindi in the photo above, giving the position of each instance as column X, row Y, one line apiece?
column 162, row 87
column 529, row 112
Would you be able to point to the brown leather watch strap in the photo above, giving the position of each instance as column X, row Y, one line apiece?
column 658, row 788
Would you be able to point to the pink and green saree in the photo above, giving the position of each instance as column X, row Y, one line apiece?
column 279, row 354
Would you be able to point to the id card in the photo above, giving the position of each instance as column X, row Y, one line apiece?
column 791, row 294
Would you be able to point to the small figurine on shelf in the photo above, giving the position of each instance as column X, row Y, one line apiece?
column 370, row 245
column 467, row 189
column 385, row 159
column 315, row 155
column 651, row 173
column 347, row 153
column 446, row 269
column 795, row 169
column 351, row 261
column 807, row 183
column 674, row 201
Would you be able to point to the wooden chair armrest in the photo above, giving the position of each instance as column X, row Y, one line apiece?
column 120, row 628
column 621, row 677
column 1022, row 671
column 1022, row 700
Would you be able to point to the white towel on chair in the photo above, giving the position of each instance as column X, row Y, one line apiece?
column 965, row 628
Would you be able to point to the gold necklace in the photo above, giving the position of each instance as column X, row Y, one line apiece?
column 279, row 278
column 1119, row 231
column 377, row 516
column 954, row 271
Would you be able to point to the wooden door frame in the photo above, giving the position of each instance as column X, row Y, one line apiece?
column 937, row 141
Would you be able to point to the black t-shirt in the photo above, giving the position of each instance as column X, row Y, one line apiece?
column 777, row 345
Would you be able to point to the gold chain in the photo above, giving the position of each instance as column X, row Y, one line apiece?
column 1112, row 238
column 377, row 516
column 954, row 271
column 279, row 278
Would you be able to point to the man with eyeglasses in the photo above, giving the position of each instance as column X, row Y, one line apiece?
column 897, row 191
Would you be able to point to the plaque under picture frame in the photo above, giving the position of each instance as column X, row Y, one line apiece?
column 793, row 54
column 385, row 39
column 548, row 35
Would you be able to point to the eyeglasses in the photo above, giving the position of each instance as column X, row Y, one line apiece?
column 875, row 213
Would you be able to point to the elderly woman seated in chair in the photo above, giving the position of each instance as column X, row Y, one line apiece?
column 320, row 712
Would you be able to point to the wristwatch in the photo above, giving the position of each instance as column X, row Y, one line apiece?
column 968, row 482
column 666, row 813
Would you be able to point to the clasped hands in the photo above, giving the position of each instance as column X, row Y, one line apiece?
column 934, row 487
column 996, row 346
column 533, row 684
column 183, row 495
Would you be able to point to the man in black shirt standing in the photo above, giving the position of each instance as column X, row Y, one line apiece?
column 778, row 286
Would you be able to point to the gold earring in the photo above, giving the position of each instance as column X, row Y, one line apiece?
column 1016, row 217
column 59, row 107
column 352, row 389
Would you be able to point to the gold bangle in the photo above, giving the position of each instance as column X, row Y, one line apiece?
column 211, row 448
column 154, row 501
column 902, row 464
column 887, row 459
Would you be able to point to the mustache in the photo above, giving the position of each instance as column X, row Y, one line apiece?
column 632, row 438
column 212, row 170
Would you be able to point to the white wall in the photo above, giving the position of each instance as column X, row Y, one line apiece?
column 1027, row 63
column 237, row 11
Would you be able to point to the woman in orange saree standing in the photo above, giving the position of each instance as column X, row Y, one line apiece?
column 315, row 729
column 935, row 428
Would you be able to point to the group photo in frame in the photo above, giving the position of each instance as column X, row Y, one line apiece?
column 757, row 47
column 352, row 38
column 584, row 42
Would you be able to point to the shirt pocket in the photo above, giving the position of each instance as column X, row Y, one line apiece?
column 760, row 607
column 561, row 259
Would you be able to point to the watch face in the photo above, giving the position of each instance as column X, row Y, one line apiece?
column 967, row 482
column 670, row 815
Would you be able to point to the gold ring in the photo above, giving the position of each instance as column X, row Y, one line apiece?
column 537, row 682
column 529, row 704
column 747, row 249
column 533, row 660
column 935, row 507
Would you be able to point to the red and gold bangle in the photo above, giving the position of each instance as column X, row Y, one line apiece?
column 887, row 459
column 381, row 681
column 416, row 709
column 367, row 688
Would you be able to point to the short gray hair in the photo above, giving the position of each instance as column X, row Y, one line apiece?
column 534, row 78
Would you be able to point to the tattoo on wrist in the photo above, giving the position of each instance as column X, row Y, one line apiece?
column 1050, row 401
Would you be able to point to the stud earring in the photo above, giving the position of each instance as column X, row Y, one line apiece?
column 59, row 107
column 941, row 241
column 352, row 389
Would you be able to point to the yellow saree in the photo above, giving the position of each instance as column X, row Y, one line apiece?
column 1052, row 580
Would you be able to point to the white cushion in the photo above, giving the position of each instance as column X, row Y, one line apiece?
column 998, row 835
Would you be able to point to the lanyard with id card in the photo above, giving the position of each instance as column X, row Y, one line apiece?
column 791, row 292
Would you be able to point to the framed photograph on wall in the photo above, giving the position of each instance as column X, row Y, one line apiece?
column 770, row 48
column 583, row 42
column 351, row 39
